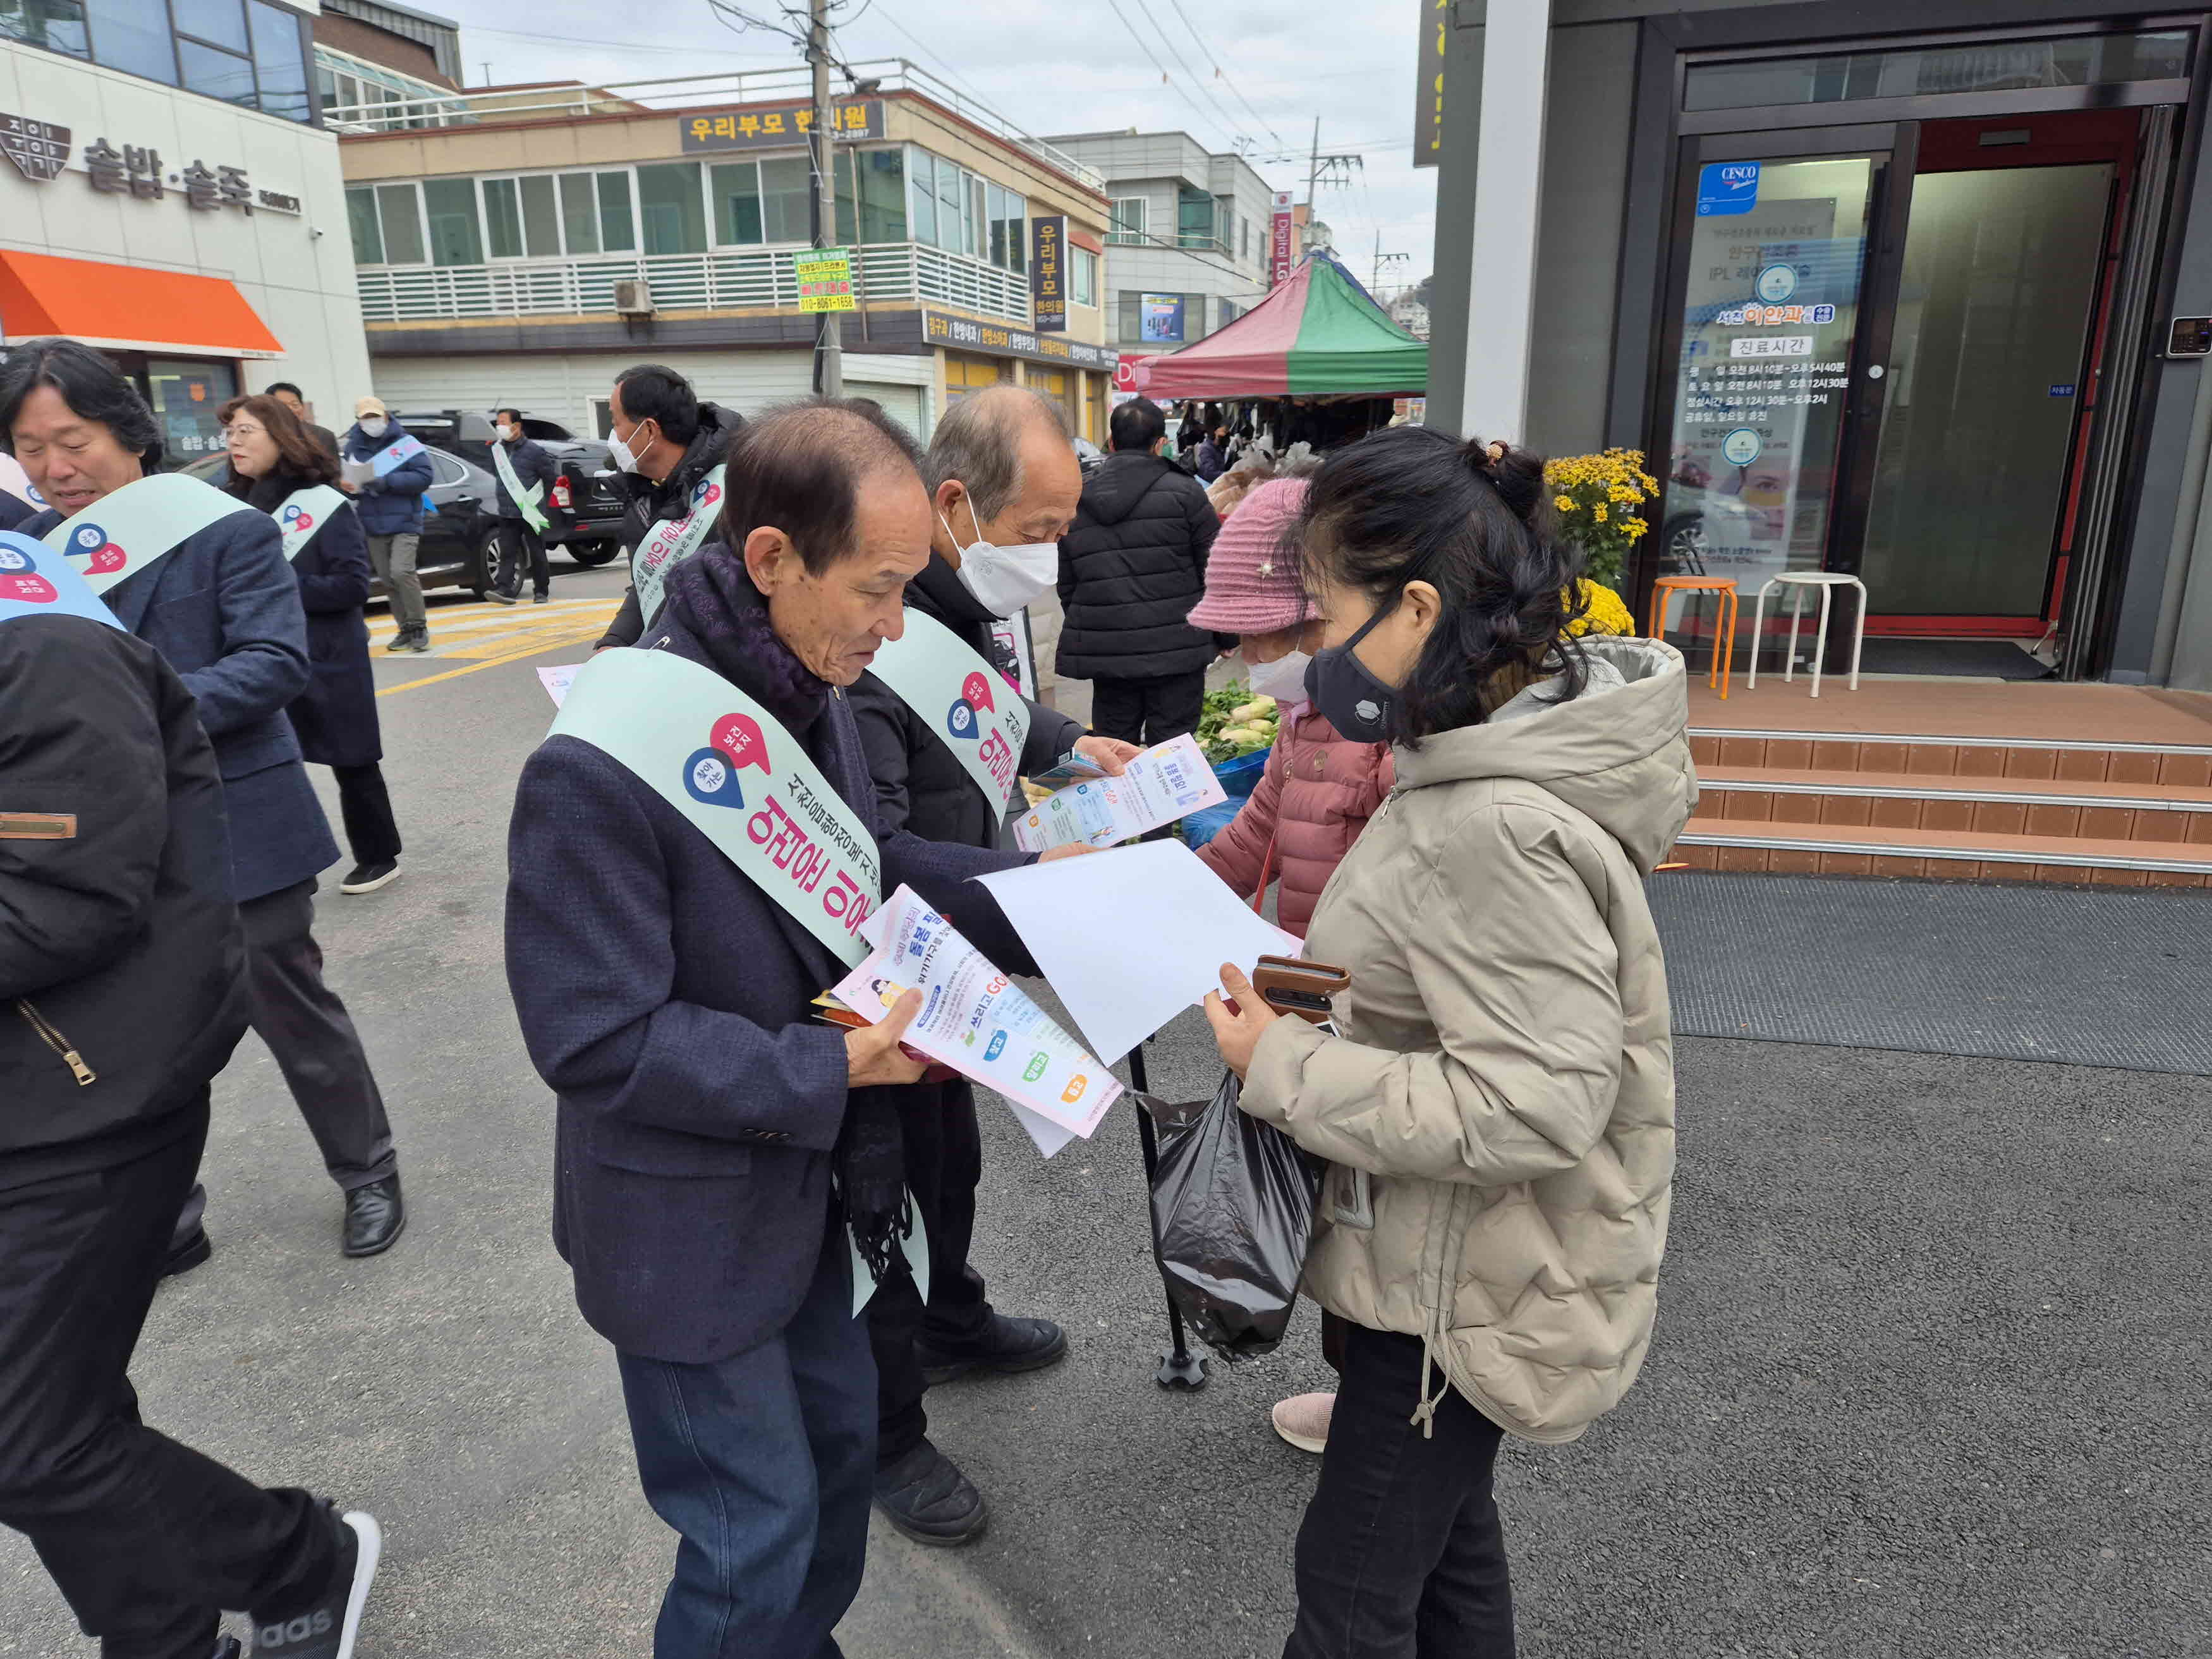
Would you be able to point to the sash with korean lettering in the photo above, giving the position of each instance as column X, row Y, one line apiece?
column 724, row 763
column 962, row 698
column 671, row 542
column 36, row 580
column 139, row 525
column 526, row 500
column 301, row 515
column 402, row 449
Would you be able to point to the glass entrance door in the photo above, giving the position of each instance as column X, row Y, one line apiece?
column 1768, row 311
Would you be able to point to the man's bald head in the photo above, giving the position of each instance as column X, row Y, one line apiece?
column 1002, row 454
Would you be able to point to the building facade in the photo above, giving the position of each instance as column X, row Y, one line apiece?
column 525, row 245
column 1919, row 290
column 1186, row 253
column 169, row 196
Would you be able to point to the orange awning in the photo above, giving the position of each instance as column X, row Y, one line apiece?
column 124, row 309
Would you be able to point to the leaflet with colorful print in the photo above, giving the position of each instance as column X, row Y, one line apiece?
column 1166, row 782
column 978, row 1021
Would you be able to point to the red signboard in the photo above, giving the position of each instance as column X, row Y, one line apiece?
column 1281, row 258
column 1124, row 371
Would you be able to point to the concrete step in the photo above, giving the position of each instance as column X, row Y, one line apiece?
column 2072, row 808
column 1714, row 841
column 1974, row 761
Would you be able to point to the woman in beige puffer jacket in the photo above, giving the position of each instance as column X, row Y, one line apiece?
column 1496, row 1107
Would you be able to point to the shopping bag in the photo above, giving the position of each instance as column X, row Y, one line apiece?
column 1233, row 1210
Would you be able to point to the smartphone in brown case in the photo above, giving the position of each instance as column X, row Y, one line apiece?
column 1290, row 986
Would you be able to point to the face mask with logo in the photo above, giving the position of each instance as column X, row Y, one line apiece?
column 620, row 453
column 372, row 425
column 1004, row 579
column 1283, row 679
column 1346, row 695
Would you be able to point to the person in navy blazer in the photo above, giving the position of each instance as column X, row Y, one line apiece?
column 224, row 609
column 714, row 1142
column 272, row 458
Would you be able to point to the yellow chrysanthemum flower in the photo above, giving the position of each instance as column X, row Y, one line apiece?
column 1564, row 503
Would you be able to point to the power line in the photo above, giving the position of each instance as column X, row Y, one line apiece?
column 1212, row 58
column 1166, row 79
column 1237, row 139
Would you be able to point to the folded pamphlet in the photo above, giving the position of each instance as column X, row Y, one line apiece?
column 1166, row 782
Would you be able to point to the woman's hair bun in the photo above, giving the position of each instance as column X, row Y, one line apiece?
column 1518, row 475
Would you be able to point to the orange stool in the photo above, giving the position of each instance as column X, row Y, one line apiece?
column 1723, row 622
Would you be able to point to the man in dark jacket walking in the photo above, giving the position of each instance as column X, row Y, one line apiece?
column 526, row 474
column 223, row 608
column 665, row 442
column 1004, row 482
column 390, row 503
column 1130, row 570
column 122, row 957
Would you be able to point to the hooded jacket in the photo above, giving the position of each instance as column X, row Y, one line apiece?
column 390, row 505
column 1498, row 1112
column 1130, row 569
column 646, row 503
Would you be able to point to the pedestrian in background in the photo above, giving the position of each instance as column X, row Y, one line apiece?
column 1130, row 568
column 223, row 607
column 289, row 395
column 664, row 442
column 1319, row 788
column 1211, row 460
column 390, row 507
column 526, row 474
column 1496, row 1104
column 272, row 460
column 121, row 951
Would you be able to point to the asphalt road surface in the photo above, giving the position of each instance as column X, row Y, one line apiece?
column 1930, row 1379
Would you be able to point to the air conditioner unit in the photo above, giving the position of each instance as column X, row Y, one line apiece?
column 633, row 298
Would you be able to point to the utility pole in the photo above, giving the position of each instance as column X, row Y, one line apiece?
column 1375, row 283
column 1313, row 170
column 828, row 360
column 1334, row 167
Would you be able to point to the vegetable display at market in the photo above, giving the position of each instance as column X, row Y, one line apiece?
column 1234, row 723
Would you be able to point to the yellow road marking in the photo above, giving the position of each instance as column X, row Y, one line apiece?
column 538, row 648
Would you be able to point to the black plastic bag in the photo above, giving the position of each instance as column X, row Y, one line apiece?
column 1232, row 1210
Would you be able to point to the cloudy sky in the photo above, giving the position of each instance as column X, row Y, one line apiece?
column 1066, row 65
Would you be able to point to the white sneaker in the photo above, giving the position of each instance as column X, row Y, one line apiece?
column 1303, row 1420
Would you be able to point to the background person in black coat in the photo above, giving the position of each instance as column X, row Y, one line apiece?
column 121, row 947
column 272, row 456
column 671, row 441
column 518, row 540
column 1130, row 570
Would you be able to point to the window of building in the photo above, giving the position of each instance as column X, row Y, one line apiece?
column 1246, row 237
column 56, row 25
column 735, row 188
column 618, row 229
column 1082, row 277
column 368, row 235
column 965, row 374
column 1009, row 216
column 1127, row 224
column 218, row 22
column 1193, row 217
column 881, row 185
column 247, row 52
column 670, row 211
column 950, row 207
column 787, row 199
column 401, row 217
column 214, row 74
column 134, row 37
column 921, row 196
column 280, row 60
column 580, row 213
column 449, row 212
column 520, row 220
column 1224, row 223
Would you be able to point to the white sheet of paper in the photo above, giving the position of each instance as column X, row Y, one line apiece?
column 556, row 680
column 1132, row 936
column 357, row 472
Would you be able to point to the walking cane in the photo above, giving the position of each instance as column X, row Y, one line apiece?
column 1179, row 1367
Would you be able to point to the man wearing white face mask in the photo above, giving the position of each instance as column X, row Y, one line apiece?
column 668, row 446
column 1004, row 483
column 389, row 499
column 526, row 474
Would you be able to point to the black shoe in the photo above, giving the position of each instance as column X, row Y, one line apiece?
column 1005, row 1343
column 374, row 1217
column 183, row 1257
column 925, row 1497
column 228, row 1648
column 499, row 596
column 328, row 1627
column 368, row 878
column 539, row 598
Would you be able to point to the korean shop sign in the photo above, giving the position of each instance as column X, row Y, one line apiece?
column 764, row 126
column 1048, row 272
column 826, row 278
column 940, row 328
column 41, row 150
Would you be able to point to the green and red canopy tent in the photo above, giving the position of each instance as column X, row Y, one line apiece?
column 1318, row 335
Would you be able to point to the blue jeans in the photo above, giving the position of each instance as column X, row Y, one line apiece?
column 764, row 1464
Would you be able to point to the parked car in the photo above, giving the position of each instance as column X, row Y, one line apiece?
column 586, row 505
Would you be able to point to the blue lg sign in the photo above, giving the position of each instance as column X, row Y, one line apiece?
column 1727, row 188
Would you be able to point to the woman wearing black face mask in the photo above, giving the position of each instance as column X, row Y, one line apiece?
column 1496, row 1104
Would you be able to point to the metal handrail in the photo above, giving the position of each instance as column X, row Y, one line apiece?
column 727, row 279
column 887, row 74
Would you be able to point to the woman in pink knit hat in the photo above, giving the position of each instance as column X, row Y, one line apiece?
column 1318, row 790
